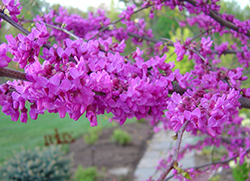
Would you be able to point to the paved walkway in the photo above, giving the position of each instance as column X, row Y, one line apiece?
column 158, row 147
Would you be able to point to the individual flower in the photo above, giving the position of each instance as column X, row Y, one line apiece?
column 180, row 50
column 206, row 45
column 194, row 118
column 3, row 57
column 177, row 122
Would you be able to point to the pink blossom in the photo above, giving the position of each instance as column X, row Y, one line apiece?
column 4, row 58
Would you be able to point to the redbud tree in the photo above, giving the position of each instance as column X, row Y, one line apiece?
column 85, row 73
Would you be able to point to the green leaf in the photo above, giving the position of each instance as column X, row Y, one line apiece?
column 187, row 175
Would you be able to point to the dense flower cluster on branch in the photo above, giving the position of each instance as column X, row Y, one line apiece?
column 89, row 75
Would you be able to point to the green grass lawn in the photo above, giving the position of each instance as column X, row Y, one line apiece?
column 15, row 135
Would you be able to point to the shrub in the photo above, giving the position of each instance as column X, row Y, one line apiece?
column 93, row 135
column 121, row 137
column 90, row 138
column 86, row 174
column 141, row 121
column 240, row 172
column 48, row 164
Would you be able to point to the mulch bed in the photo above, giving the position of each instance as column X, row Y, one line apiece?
column 106, row 155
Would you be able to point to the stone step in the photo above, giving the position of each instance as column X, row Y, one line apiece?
column 159, row 147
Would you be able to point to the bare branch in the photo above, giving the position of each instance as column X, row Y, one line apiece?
column 206, row 31
column 209, row 164
column 13, row 23
column 244, row 102
column 176, row 152
column 15, row 74
column 143, row 37
column 63, row 30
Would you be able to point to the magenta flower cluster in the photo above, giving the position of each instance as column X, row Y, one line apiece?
column 26, row 48
column 12, row 7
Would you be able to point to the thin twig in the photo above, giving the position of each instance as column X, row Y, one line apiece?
column 176, row 152
column 201, row 34
column 209, row 164
column 170, row 43
column 143, row 37
column 63, row 30
column 117, row 21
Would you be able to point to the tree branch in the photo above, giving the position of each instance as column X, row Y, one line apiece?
column 15, row 74
column 176, row 152
column 220, row 20
column 7, row 72
column 244, row 102
column 13, row 23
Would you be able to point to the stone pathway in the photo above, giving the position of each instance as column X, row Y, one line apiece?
column 158, row 147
